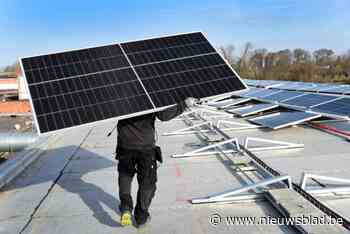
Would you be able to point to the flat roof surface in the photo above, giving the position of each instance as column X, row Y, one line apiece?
column 72, row 187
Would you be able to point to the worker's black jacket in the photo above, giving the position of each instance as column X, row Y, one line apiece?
column 138, row 133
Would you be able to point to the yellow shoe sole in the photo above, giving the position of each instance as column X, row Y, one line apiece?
column 125, row 219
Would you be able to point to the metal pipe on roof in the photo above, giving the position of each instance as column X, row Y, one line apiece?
column 15, row 141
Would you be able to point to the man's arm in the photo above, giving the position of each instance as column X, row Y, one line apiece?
column 171, row 112
column 176, row 110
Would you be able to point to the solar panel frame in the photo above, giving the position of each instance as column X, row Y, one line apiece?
column 284, row 119
column 338, row 107
column 229, row 103
column 283, row 95
column 155, row 109
column 62, row 118
column 252, row 109
column 244, row 93
column 343, row 89
column 181, row 93
column 309, row 100
column 264, row 93
column 237, row 102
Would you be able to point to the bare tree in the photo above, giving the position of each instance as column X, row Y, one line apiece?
column 244, row 60
column 11, row 68
column 347, row 54
column 284, row 57
column 259, row 58
column 323, row 56
column 301, row 56
column 227, row 53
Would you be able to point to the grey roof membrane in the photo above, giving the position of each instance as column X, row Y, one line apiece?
column 84, row 199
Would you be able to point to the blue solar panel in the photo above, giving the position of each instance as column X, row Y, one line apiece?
column 263, row 93
column 284, row 119
column 252, row 109
column 344, row 89
column 338, row 107
column 229, row 102
column 246, row 93
column 309, row 100
column 283, row 95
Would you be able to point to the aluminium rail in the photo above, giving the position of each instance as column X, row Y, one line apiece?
column 322, row 207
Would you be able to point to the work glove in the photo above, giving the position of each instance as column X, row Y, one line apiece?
column 191, row 102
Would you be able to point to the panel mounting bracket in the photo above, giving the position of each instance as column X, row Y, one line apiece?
column 192, row 129
column 240, row 126
column 276, row 144
column 335, row 190
column 233, row 195
column 205, row 151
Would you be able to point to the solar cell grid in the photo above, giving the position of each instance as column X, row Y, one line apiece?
column 283, row 95
column 97, row 94
column 309, row 100
column 57, row 66
column 264, row 93
column 88, row 85
column 345, row 89
column 169, row 82
column 338, row 107
column 252, row 109
column 157, row 55
column 164, row 42
column 284, row 119
column 246, row 93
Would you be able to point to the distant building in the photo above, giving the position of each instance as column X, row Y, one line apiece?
column 8, row 75
column 22, row 91
column 8, row 86
column 13, row 93
column 12, row 83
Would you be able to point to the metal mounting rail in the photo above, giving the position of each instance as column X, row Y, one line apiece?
column 322, row 207
column 325, row 209
column 298, row 189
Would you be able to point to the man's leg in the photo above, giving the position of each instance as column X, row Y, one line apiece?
column 126, row 170
column 147, row 178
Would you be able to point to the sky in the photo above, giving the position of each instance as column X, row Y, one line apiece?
column 29, row 28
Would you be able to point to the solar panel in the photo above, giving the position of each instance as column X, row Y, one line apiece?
column 252, row 109
column 250, row 82
column 340, row 89
column 286, row 85
column 337, row 107
column 301, row 86
column 236, row 102
column 283, row 95
column 284, row 119
column 246, row 93
column 229, row 102
column 122, row 80
column 309, row 100
column 264, row 93
column 267, row 83
column 173, row 68
column 82, row 86
column 316, row 87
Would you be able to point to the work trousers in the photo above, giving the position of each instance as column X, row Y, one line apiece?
column 144, row 164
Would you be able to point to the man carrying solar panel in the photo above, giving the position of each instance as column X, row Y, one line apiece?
column 137, row 153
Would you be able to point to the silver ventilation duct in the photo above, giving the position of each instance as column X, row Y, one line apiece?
column 16, row 141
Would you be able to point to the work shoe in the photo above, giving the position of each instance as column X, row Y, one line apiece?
column 126, row 219
column 145, row 224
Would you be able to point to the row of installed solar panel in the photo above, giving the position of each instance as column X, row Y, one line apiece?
column 321, row 103
column 284, row 119
column 300, row 86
